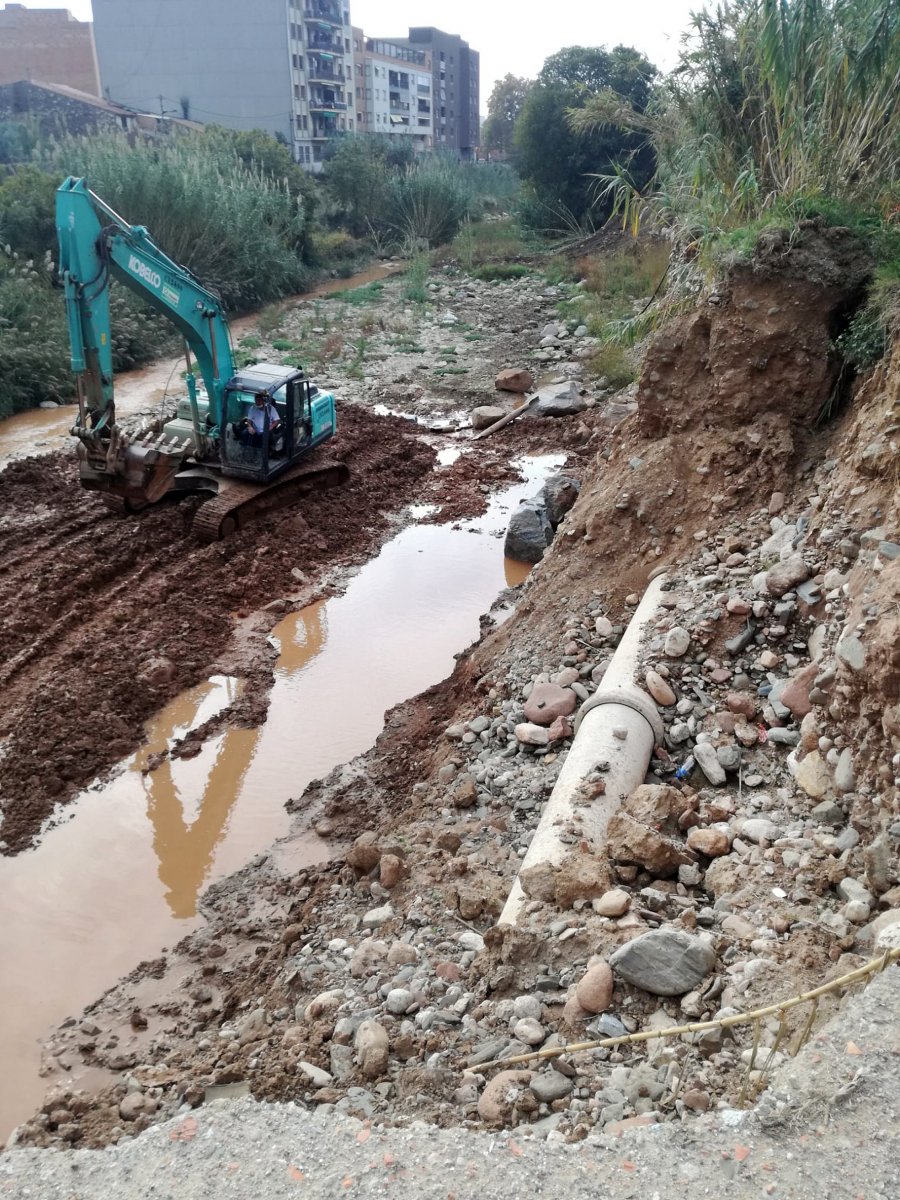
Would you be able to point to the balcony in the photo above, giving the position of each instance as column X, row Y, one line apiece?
column 324, row 73
column 318, row 39
column 321, row 10
column 322, row 129
column 320, row 104
column 399, row 106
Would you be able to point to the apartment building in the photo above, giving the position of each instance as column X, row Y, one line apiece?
column 455, row 72
column 47, row 45
column 283, row 66
column 393, row 90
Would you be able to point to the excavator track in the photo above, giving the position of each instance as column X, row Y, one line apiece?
column 238, row 503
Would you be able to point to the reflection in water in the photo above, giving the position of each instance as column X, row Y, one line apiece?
column 189, row 800
column 515, row 572
column 183, row 846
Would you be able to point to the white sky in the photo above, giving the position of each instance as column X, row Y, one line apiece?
column 514, row 37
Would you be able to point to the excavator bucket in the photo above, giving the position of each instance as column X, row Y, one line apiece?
column 139, row 473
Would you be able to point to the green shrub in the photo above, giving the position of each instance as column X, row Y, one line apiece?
column 428, row 202
column 367, row 294
column 416, row 278
column 237, row 229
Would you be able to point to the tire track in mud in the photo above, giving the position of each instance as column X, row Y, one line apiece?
column 103, row 620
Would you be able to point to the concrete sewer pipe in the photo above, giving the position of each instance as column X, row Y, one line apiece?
column 618, row 707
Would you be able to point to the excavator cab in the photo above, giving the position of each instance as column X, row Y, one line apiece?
column 291, row 416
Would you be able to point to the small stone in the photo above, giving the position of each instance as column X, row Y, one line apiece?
column 316, row 1076
column 527, row 1006
column 530, row 734
column 548, row 701
column 498, row 1102
column 659, row 689
column 486, row 415
column 612, row 903
column 377, row 916
column 708, row 762
column 551, row 1085
column 398, row 1001
column 795, row 694
column 741, row 703
column 729, row 756
column 389, row 870
column 371, row 1044
column 785, row 576
column 713, row 842
column 253, row 1027
column 529, row 1031
column 811, row 774
column 595, row 988
column 677, row 642
column 664, row 962
column 844, row 775
column 851, row 889
column 364, row 854
column 737, row 927
column 827, row 813
column 131, row 1106
column 759, row 829
column 513, row 379
column 852, row 652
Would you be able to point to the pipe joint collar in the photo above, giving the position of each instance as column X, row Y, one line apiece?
column 634, row 699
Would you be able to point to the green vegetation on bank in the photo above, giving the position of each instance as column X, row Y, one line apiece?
column 777, row 113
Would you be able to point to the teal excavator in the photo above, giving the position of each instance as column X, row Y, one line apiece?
column 245, row 436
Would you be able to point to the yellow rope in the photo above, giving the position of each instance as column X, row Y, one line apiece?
column 870, row 968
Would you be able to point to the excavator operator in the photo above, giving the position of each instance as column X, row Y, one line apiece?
column 250, row 431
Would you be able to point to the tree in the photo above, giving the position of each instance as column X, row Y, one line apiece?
column 504, row 107
column 557, row 161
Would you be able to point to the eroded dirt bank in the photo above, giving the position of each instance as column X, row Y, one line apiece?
column 379, row 983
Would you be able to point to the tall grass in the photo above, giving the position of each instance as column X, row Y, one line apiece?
column 33, row 337
column 238, row 230
column 428, row 202
column 778, row 110
column 772, row 104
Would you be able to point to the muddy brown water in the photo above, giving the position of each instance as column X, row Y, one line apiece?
column 117, row 878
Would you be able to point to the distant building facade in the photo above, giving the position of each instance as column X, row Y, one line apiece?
column 283, row 66
column 393, row 90
column 455, row 72
column 47, row 45
column 58, row 109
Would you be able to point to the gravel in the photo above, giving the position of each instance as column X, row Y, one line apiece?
column 827, row 1126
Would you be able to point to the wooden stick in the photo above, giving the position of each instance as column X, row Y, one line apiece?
column 510, row 416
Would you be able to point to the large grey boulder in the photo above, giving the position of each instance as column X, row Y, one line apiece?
column 529, row 532
column 559, row 400
column 559, row 493
column 664, row 962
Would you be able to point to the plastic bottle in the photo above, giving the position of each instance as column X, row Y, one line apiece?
column 686, row 767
